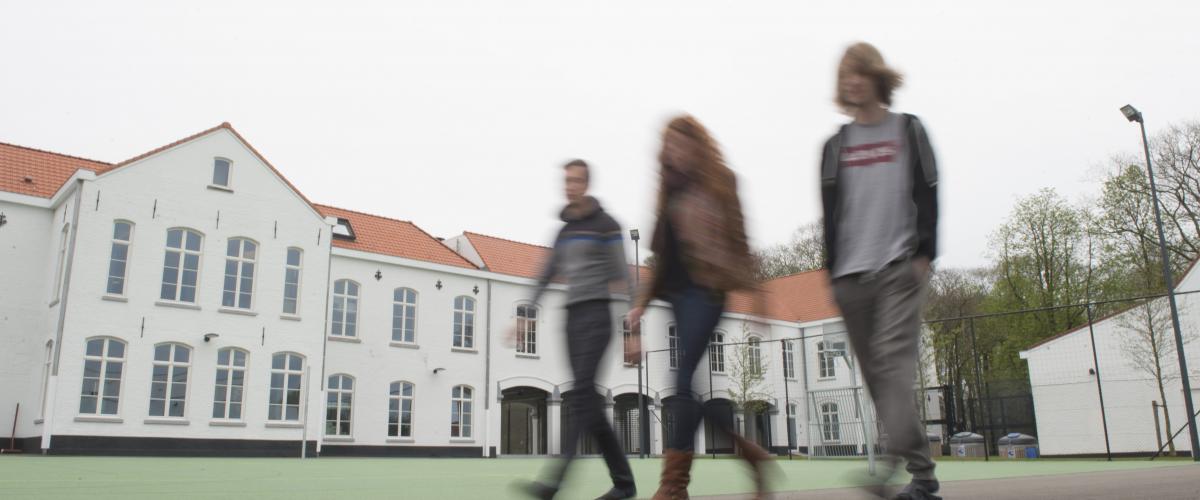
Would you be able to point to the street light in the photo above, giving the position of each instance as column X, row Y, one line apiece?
column 644, row 419
column 1132, row 114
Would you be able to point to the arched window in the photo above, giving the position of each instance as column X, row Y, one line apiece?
column 291, row 281
column 103, row 366
column 345, row 309
column 181, row 265
column 404, row 315
column 464, row 322
column 460, row 411
column 338, row 405
column 230, row 395
column 673, row 344
column 527, row 319
column 169, row 380
column 716, row 352
column 401, row 396
column 287, row 377
column 831, row 430
column 240, row 257
column 118, row 261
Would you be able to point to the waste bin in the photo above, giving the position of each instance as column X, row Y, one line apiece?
column 967, row 444
column 1017, row 445
column 935, row 445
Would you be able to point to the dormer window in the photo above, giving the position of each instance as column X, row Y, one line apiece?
column 343, row 230
column 220, row 172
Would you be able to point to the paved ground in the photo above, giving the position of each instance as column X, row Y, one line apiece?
column 129, row 478
column 1172, row 483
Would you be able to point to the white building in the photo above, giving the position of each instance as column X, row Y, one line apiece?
column 1066, row 399
column 191, row 301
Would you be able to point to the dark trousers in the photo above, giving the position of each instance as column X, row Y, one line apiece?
column 589, row 330
column 882, row 315
column 697, row 312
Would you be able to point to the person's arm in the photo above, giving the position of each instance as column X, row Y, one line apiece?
column 829, row 194
column 620, row 268
column 925, row 181
column 549, row 271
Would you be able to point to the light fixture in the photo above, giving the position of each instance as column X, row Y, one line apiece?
column 438, row 369
column 438, row 285
column 1131, row 113
column 475, row 290
column 378, row 275
column 210, row 336
column 3, row 219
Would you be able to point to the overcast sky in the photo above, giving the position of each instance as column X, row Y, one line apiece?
column 457, row 115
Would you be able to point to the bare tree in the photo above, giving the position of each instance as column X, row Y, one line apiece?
column 1149, row 344
column 804, row 252
column 748, row 388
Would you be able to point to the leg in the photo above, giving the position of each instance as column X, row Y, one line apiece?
column 696, row 316
column 591, row 338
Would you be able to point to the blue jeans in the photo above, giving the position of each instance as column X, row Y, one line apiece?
column 697, row 312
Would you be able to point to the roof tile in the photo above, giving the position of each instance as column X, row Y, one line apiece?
column 398, row 238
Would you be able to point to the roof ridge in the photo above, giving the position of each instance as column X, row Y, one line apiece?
column 508, row 240
column 359, row 212
column 64, row 155
column 152, row 152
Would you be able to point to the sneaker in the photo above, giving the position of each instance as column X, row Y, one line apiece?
column 920, row 489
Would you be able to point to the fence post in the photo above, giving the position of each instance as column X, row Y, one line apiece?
column 978, row 383
column 711, row 392
column 1099, row 387
column 641, row 404
column 787, row 399
column 1157, row 426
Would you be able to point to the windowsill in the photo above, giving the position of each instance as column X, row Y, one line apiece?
column 216, row 187
column 723, row 374
column 464, row 350
column 167, row 421
column 226, row 423
column 404, row 345
column 39, row 421
column 234, row 310
column 285, row 425
column 176, row 304
column 401, row 440
column 289, row 317
column 338, row 439
column 53, row 303
column 99, row 419
column 352, row 340
column 114, row 298
column 826, row 379
column 462, row 440
column 528, row 356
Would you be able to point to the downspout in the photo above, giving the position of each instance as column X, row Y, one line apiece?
column 804, row 397
column 324, row 324
column 487, row 376
column 52, row 389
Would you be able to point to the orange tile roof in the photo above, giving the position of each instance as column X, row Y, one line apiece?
column 798, row 297
column 398, row 238
column 509, row 257
column 46, row 172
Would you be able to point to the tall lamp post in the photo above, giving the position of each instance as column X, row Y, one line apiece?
column 1132, row 114
column 644, row 422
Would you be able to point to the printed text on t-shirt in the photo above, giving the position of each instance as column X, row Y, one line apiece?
column 865, row 155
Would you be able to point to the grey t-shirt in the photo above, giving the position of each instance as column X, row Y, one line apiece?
column 877, row 215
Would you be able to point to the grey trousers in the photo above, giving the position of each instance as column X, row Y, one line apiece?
column 882, row 312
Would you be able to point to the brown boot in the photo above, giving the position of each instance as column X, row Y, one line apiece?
column 676, row 474
column 758, row 459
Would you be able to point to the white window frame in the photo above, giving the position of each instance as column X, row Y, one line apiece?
column 527, row 328
column 626, row 335
column 169, row 384
column 127, row 245
column 673, row 346
column 181, row 268
column 789, row 360
column 754, row 347
column 463, row 325
column 716, row 352
column 228, row 172
column 404, row 312
column 61, row 263
column 462, row 406
column 288, row 268
column 46, row 368
column 339, row 404
column 826, row 361
column 397, row 404
column 225, row 398
column 232, row 298
column 343, row 320
column 106, row 359
column 831, row 429
column 286, row 373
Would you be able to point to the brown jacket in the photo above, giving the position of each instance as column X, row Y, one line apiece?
column 712, row 244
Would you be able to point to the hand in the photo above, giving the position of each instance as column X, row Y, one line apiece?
column 633, row 349
column 921, row 266
column 635, row 321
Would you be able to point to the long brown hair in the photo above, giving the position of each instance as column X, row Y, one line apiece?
column 864, row 59
column 709, row 172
